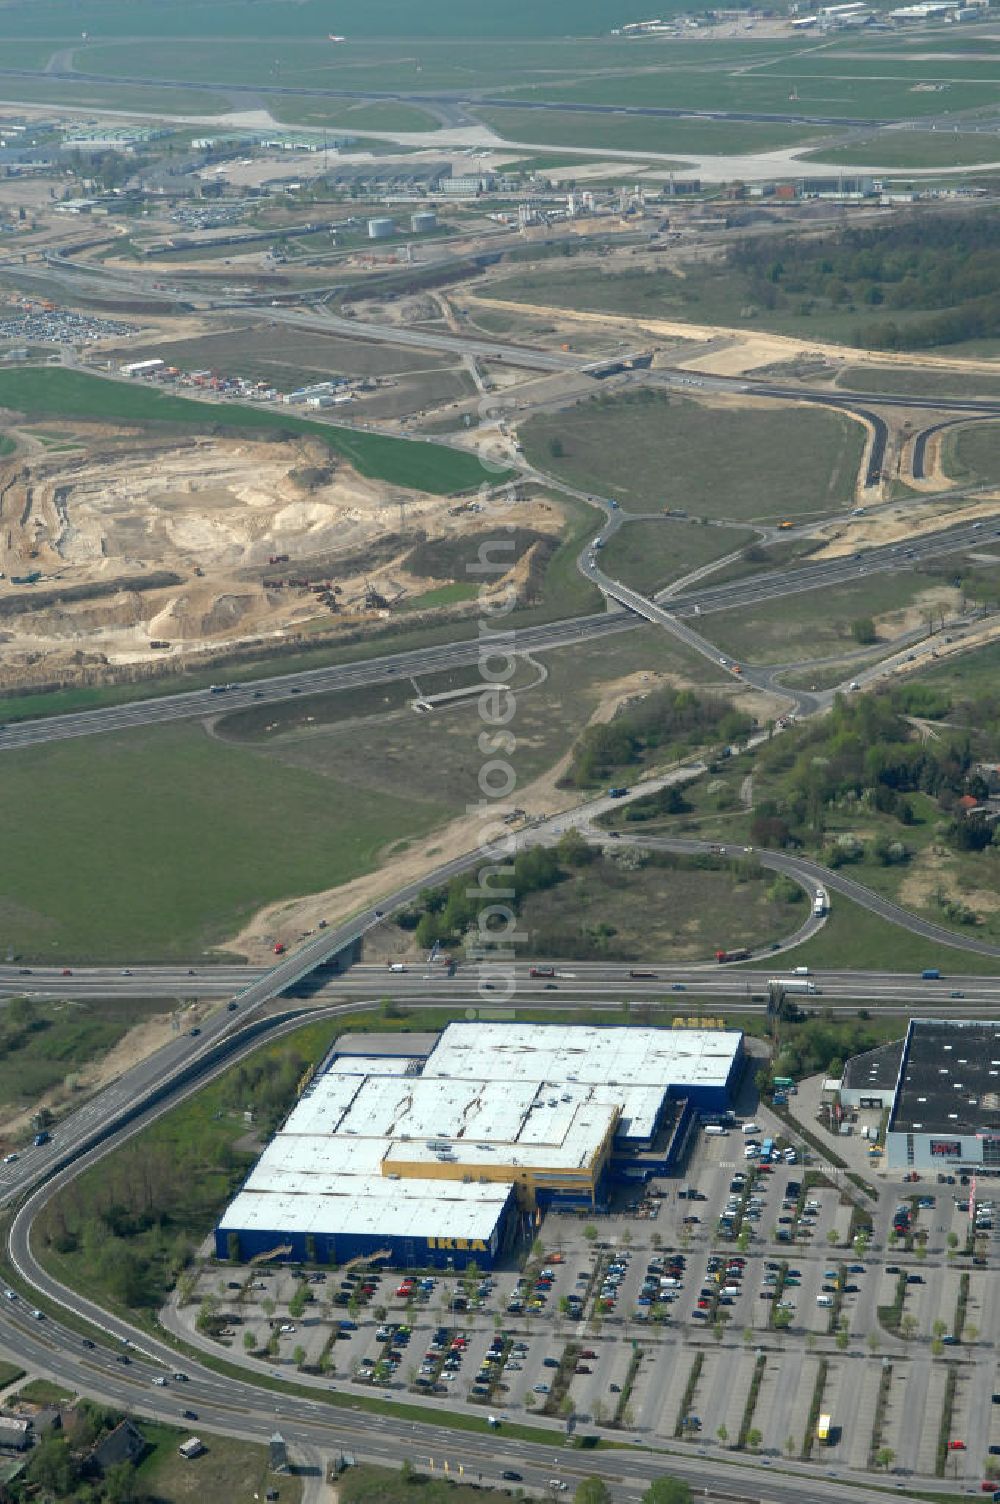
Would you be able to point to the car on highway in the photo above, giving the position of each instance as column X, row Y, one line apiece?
column 88, row 1343
column 509, row 1476
column 189, row 1415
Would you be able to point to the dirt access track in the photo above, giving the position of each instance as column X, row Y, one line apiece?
column 136, row 540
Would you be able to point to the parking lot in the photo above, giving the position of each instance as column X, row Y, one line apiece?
column 659, row 1323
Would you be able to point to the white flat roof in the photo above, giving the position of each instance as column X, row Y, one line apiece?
column 378, row 1065
column 359, row 1207
column 620, row 1056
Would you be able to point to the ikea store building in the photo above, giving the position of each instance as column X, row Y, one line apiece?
column 448, row 1158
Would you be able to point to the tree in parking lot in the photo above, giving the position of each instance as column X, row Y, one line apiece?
column 299, row 1355
column 920, row 1252
column 937, row 1347
column 590, row 1233
column 592, row 1491
column 885, row 1457
column 939, row 1328
column 843, row 1337
column 249, row 1340
column 908, row 1326
column 790, row 1446
column 722, row 1432
column 667, row 1491
column 970, row 1332
column 754, row 1438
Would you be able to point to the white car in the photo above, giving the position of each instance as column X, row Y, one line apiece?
column 751, row 1127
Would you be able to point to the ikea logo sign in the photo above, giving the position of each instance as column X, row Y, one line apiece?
column 473, row 1245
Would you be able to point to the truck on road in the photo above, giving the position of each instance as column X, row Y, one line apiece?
column 541, row 971
column 740, row 954
column 820, row 901
column 823, row 1429
column 792, row 984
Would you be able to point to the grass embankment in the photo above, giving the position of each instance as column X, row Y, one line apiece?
column 73, row 394
column 972, row 453
column 380, row 1485
column 917, row 382
column 158, row 843
column 44, row 1044
column 867, row 942
column 745, row 464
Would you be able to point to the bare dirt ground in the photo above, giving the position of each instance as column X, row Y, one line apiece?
column 199, row 520
column 900, row 521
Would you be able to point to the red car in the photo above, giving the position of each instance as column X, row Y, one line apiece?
column 956, row 1446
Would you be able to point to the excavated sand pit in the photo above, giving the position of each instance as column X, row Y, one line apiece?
column 198, row 544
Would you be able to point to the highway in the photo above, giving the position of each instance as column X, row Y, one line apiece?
column 751, row 590
column 234, row 1406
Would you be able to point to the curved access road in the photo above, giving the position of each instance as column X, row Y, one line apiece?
column 227, row 1401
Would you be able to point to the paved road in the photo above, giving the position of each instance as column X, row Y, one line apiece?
column 376, row 670
column 273, row 690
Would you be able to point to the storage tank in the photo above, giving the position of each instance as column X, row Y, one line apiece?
column 381, row 228
column 424, row 221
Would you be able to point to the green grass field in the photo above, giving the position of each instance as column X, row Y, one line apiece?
column 682, row 913
column 72, row 394
column 747, row 464
column 912, row 149
column 157, row 844
column 916, row 382
column 972, row 452
column 814, row 624
column 227, row 1469
column 643, row 134
column 862, row 940
column 649, row 554
column 848, row 87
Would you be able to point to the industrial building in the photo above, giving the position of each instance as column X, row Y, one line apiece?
column 941, row 1087
column 452, row 1156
